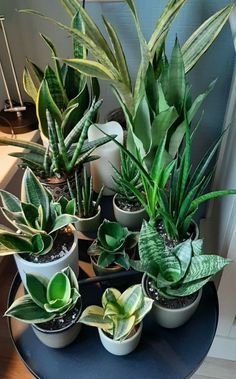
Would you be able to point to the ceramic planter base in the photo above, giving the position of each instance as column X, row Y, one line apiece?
column 90, row 224
column 121, row 348
column 132, row 220
column 50, row 268
column 172, row 318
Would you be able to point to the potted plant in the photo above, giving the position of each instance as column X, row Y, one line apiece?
column 65, row 153
column 52, row 307
column 112, row 249
column 87, row 210
column 127, row 209
column 174, row 275
column 44, row 242
column 119, row 320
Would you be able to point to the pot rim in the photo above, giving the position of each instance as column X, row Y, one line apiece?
column 145, row 276
column 57, row 331
column 93, row 217
column 127, row 340
column 48, row 264
column 125, row 212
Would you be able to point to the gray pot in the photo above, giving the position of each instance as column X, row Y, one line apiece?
column 172, row 318
column 61, row 337
column 90, row 224
column 132, row 220
column 121, row 347
column 50, row 268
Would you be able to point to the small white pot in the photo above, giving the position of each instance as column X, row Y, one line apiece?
column 121, row 347
column 172, row 318
column 50, row 268
column 61, row 337
column 132, row 220
column 90, row 224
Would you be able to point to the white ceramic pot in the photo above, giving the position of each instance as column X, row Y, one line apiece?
column 132, row 220
column 172, row 318
column 50, row 268
column 61, row 337
column 90, row 224
column 121, row 347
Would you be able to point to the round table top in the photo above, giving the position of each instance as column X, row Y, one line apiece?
column 161, row 354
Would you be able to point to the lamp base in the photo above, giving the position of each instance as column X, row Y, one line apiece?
column 19, row 122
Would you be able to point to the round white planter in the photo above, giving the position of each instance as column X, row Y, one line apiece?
column 90, row 224
column 132, row 220
column 172, row 318
column 61, row 337
column 50, row 268
column 121, row 347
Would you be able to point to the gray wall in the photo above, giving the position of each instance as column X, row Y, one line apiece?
column 218, row 62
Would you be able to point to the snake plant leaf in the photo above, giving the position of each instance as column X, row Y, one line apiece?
column 38, row 73
column 30, row 213
column 212, row 195
column 14, row 243
column 70, row 6
column 105, row 259
column 10, row 201
column 77, row 23
column 33, row 192
column 123, row 261
column 110, row 295
column 91, row 68
column 122, row 327
column 204, row 36
column 165, row 174
column 36, row 160
column 142, row 123
column 25, row 309
column 170, row 268
column 58, row 288
column 197, row 246
column 15, row 217
column 119, row 53
column 131, row 300
column 45, row 102
column 62, row 221
column 143, row 311
column 56, row 89
column 94, row 316
column 58, row 305
column 37, row 288
column 28, row 84
column 42, row 243
column 167, row 17
column 72, row 277
column 151, row 247
column 184, row 254
column 34, row 147
column 158, row 162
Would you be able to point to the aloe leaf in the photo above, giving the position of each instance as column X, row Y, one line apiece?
column 204, row 36
column 29, row 85
column 37, row 288
column 119, row 53
column 25, row 309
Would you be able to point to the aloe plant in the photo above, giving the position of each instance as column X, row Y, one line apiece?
column 175, row 271
column 128, row 172
column 46, row 299
column 64, row 153
column 85, row 206
column 120, row 312
column 112, row 245
column 36, row 217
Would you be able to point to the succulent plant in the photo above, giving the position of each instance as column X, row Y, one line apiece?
column 128, row 173
column 119, row 312
column 36, row 217
column 46, row 299
column 112, row 244
column 65, row 153
column 85, row 207
column 175, row 271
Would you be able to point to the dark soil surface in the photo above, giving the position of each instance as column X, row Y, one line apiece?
column 174, row 303
column 128, row 206
column 63, row 321
column 61, row 246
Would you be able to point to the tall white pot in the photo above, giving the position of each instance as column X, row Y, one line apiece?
column 50, row 268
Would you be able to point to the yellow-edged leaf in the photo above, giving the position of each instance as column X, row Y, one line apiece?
column 90, row 68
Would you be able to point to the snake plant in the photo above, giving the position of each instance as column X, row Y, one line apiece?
column 112, row 245
column 175, row 271
column 85, row 207
column 60, row 88
column 120, row 312
column 46, row 299
column 64, row 153
column 36, row 217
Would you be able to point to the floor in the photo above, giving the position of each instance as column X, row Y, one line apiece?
column 11, row 366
